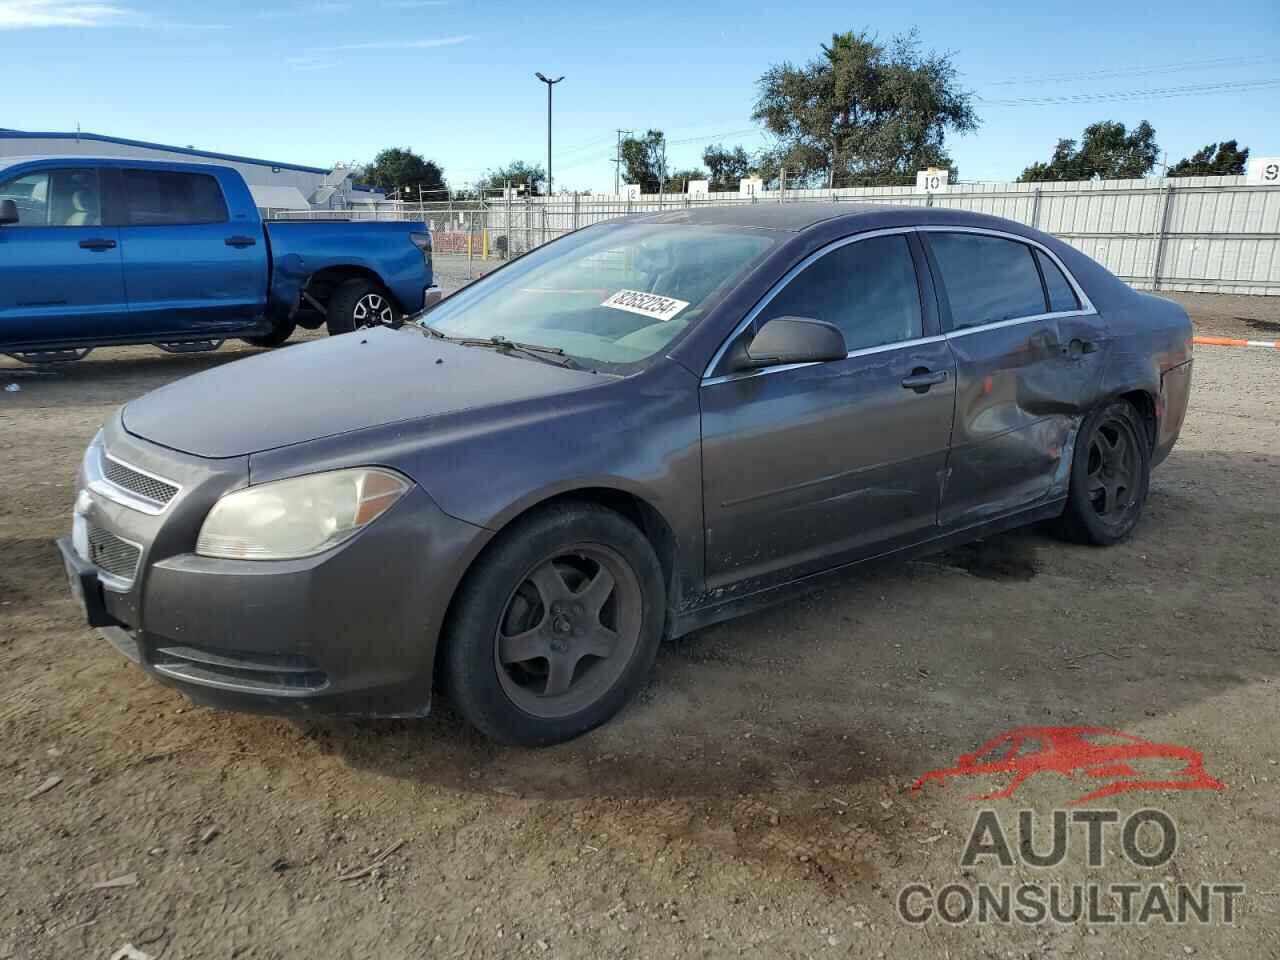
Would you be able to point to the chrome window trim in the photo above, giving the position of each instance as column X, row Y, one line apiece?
column 99, row 484
column 778, row 287
column 1086, row 305
column 860, row 352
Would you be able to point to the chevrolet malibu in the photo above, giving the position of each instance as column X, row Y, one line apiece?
column 635, row 431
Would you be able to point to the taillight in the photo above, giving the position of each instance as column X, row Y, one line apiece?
column 423, row 242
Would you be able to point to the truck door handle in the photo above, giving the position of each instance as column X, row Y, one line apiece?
column 240, row 241
column 922, row 379
column 97, row 243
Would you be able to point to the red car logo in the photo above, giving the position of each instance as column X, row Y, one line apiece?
column 1077, row 752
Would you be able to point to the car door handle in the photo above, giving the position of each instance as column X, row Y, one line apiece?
column 240, row 241
column 922, row 379
column 97, row 243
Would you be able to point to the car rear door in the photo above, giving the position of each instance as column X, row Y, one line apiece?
column 188, row 270
column 60, row 270
column 811, row 465
column 1028, row 350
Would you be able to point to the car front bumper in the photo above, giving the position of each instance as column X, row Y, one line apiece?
column 349, row 631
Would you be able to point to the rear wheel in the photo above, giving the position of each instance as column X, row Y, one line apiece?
column 361, row 303
column 556, row 627
column 1109, row 476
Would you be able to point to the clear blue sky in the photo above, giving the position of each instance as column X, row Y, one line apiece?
column 320, row 82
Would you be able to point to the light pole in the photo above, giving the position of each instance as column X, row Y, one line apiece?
column 550, row 84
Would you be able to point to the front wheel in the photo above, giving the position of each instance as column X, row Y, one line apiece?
column 359, row 303
column 556, row 627
column 1109, row 476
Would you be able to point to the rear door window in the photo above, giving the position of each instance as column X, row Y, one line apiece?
column 166, row 198
column 987, row 279
column 868, row 289
column 1061, row 294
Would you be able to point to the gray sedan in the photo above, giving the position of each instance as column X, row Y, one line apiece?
column 635, row 431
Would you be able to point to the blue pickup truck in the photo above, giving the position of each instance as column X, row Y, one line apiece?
column 98, row 251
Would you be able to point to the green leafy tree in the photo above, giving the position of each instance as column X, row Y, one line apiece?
column 401, row 168
column 726, row 167
column 516, row 174
column 643, row 160
column 1107, row 150
column 1215, row 160
column 863, row 112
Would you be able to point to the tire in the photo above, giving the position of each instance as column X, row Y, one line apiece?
column 597, row 578
column 279, row 333
column 1110, row 473
column 356, row 303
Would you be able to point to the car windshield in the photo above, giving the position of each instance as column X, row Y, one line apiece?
column 609, row 296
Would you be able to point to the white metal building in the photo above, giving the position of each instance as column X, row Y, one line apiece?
column 274, row 185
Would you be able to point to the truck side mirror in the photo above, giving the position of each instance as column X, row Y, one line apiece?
column 8, row 211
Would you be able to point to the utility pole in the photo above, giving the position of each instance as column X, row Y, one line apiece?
column 617, row 162
column 550, row 84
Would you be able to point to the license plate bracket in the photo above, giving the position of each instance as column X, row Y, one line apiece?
column 82, row 577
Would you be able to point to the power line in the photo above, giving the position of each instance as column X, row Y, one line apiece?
column 1220, row 62
column 1154, row 93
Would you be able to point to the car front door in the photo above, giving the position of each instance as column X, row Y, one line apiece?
column 1028, row 349
column 60, row 272
column 807, row 466
column 188, row 270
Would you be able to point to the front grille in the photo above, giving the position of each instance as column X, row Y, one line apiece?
column 113, row 555
column 136, row 482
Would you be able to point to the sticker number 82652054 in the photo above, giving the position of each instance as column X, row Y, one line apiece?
column 646, row 304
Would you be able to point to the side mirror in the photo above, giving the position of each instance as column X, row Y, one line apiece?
column 8, row 211
column 792, row 340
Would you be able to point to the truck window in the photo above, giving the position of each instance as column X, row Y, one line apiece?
column 165, row 198
column 56, row 198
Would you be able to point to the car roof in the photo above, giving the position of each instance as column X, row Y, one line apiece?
column 796, row 216
column 93, row 160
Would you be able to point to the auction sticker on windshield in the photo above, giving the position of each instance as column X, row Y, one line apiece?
column 646, row 304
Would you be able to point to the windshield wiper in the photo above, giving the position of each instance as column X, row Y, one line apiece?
column 553, row 355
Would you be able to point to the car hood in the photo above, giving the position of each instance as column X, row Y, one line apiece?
column 333, row 386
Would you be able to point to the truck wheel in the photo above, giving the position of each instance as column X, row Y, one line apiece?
column 1109, row 476
column 556, row 627
column 361, row 303
column 281, row 331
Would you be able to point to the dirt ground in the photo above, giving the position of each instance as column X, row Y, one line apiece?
column 755, row 802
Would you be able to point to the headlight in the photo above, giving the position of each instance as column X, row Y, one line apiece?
column 298, row 517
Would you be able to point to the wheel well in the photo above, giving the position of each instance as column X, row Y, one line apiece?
column 1146, row 407
column 324, row 282
column 643, row 514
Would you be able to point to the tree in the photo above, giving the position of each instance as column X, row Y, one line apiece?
column 726, row 167
column 1106, row 151
column 1215, row 160
column 863, row 112
column 644, row 160
column 399, row 168
column 516, row 174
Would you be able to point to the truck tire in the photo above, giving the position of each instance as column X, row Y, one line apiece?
column 280, row 332
column 361, row 303
column 556, row 627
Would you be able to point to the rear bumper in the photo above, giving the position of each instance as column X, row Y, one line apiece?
column 1175, row 394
